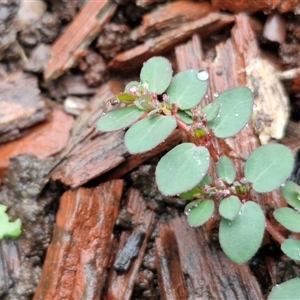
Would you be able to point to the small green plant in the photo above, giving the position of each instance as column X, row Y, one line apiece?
column 159, row 104
column 9, row 229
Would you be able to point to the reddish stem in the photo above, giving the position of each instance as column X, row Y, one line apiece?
column 276, row 235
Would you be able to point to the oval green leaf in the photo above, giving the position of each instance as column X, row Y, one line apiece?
column 241, row 238
column 235, row 112
column 157, row 72
column 291, row 193
column 230, row 207
column 211, row 110
column 186, row 90
column 289, row 218
column 149, row 133
column 182, row 168
column 185, row 117
column 289, row 290
column 119, row 118
column 226, row 169
column 193, row 193
column 268, row 167
column 291, row 248
column 200, row 213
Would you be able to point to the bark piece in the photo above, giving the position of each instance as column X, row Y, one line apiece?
column 144, row 3
column 245, row 5
column 204, row 273
column 72, row 44
column 77, row 258
column 172, row 15
column 43, row 140
column 89, row 153
column 121, row 286
column 20, row 105
column 135, row 57
column 286, row 6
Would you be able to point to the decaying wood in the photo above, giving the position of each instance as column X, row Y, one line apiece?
column 245, row 5
column 120, row 286
column 77, row 258
column 71, row 46
column 135, row 57
column 145, row 3
column 21, row 105
column 169, row 16
column 43, row 140
column 9, row 264
column 190, row 268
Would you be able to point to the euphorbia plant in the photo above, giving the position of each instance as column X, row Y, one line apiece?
column 159, row 104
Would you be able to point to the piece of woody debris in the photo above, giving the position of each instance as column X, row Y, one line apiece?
column 275, row 28
column 175, row 264
column 169, row 16
column 71, row 46
column 246, row 6
column 120, row 286
column 135, row 57
column 286, row 6
column 43, row 140
column 21, row 105
column 78, row 256
column 144, row 3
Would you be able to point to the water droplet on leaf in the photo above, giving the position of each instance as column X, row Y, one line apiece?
column 236, row 115
column 298, row 196
column 202, row 75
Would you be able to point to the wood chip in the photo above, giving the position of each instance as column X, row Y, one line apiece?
column 71, row 46
column 135, row 57
column 20, row 105
column 193, row 269
column 245, row 5
column 77, row 258
column 121, row 286
column 43, row 140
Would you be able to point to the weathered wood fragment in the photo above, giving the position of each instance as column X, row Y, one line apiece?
column 134, row 58
column 171, row 15
column 145, row 3
column 194, row 269
column 286, row 6
column 20, row 105
column 121, row 286
column 71, row 46
column 245, row 5
column 77, row 258
column 43, row 140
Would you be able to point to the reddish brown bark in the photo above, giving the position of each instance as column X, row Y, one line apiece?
column 77, row 258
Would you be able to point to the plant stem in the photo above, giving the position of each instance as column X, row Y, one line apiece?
column 276, row 235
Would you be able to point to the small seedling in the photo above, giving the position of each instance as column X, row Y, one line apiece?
column 159, row 104
column 7, row 228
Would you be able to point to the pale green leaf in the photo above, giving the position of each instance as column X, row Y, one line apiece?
column 230, row 207
column 268, row 167
column 186, row 89
column 291, row 248
column 157, row 72
column 200, row 213
column 149, row 133
column 235, row 112
column 182, row 168
column 289, row 290
column 241, row 238
column 226, row 169
column 119, row 118
column 291, row 193
column 185, row 117
column 189, row 195
column 7, row 228
column 211, row 110
column 289, row 218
